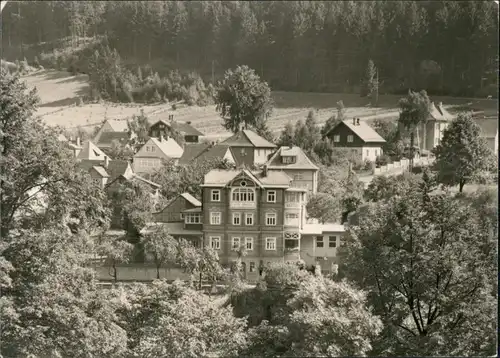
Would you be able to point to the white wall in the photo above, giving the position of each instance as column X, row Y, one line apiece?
column 260, row 155
column 371, row 153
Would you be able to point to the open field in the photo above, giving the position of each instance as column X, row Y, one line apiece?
column 60, row 95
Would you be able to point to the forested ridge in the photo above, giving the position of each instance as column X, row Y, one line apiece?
column 446, row 47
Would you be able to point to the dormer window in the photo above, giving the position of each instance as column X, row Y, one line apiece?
column 289, row 159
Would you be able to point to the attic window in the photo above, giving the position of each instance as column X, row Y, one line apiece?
column 96, row 154
column 289, row 159
column 243, row 183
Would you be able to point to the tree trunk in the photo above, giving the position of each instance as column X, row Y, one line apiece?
column 158, row 272
column 200, row 282
column 412, row 141
column 461, row 185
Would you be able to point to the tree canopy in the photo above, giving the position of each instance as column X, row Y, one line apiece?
column 427, row 261
column 243, row 99
column 462, row 153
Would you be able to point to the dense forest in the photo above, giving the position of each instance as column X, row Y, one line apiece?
column 446, row 47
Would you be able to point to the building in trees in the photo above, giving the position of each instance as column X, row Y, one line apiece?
column 295, row 163
column 489, row 131
column 364, row 142
column 151, row 155
column 163, row 128
column 182, row 218
column 105, row 140
column 430, row 132
column 249, row 148
column 319, row 244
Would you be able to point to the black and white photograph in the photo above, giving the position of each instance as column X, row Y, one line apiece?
column 185, row 179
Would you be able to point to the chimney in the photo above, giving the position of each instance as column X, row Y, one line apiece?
column 106, row 161
column 160, row 138
column 354, row 121
column 264, row 171
column 357, row 121
column 78, row 141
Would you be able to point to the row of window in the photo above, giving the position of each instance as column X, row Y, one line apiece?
column 148, row 162
column 336, row 138
column 237, row 242
column 216, row 218
column 248, row 194
column 332, row 241
column 150, row 148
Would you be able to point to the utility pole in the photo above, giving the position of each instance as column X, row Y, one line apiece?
column 213, row 74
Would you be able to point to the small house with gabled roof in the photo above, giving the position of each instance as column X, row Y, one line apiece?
column 249, row 148
column 363, row 141
column 162, row 127
column 295, row 163
column 152, row 154
column 90, row 151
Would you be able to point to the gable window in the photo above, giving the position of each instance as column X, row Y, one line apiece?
column 270, row 219
column 298, row 176
column 350, row 138
column 215, row 195
column 249, row 218
column 243, row 194
column 270, row 243
column 192, row 218
column 236, row 243
column 319, row 241
column 332, row 241
column 147, row 148
column 236, row 219
column 152, row 149
column 215, row 218
column 249, row 243
column 271, row 196
column 96, row 154
column 336, row 138
column 288, row 159
column 215, row 242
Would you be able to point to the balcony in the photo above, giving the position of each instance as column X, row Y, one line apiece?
column 292, row 205
column 242, row 204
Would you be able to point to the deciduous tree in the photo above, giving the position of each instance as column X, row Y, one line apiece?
column 243, row 99
column 160, row 247
column 428, row 275
column 462, row 153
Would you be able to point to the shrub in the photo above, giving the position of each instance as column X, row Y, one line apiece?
column 382, row 160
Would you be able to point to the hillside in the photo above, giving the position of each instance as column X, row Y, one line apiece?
column 59, row 94
column 445, row 47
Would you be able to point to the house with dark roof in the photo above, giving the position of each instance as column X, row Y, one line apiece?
column 112, row 125
column 295, row 163
column 363, row 141
column 176, row 209
column 249, row 148
column 106, row 139
column 163, row 128
column 206, row 151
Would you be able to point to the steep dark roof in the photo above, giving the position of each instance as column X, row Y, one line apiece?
column 182, row 127
column 217, row 151
column 107, row 138
column 117, row 168
column 247, row 138
column 192, row 151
